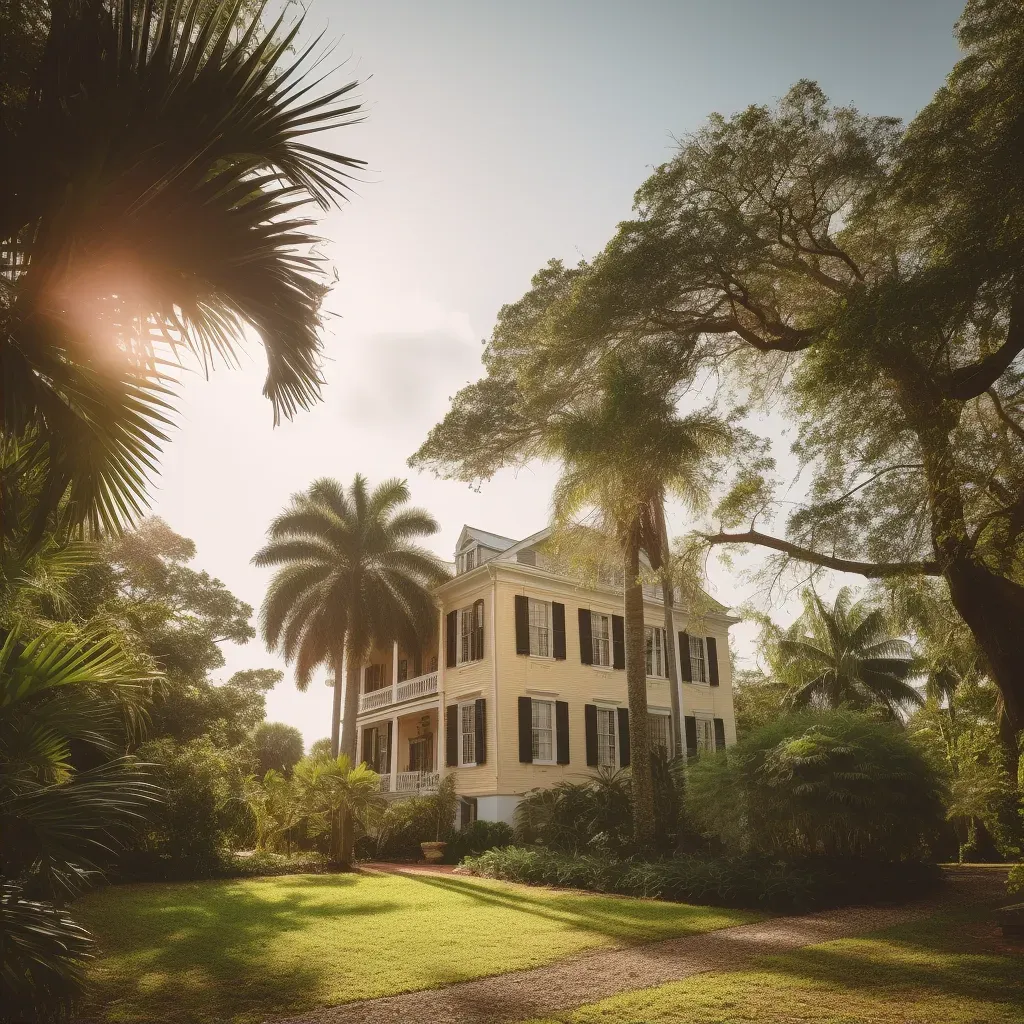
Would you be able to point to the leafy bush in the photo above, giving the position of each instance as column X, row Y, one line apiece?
column 477, row 838
column 835, row 784
column 750, row 881
column 395, row 831
column 202, row 817
column 596, row 815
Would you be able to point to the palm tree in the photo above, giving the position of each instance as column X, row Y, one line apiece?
column 846, row 656
column 624, row 450
column 149, row 192
column 348, row 578
column 60, row 824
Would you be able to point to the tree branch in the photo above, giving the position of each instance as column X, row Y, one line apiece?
column 974, row 380
column 871, row 570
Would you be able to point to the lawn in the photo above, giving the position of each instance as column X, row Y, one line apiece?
column 247, row 950
column 952, row 969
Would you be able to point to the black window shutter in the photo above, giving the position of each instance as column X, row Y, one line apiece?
column 451, row 736
column 618, row 642
column 451, row 628
column 690, row 721
column 478, row 629
column 712, row 661
column 481, row 731
column 623, row 738
column 526, row 730
column 562, row 730
column 587, row 645
column 590, row 724
column 386, row 768
column 719, row 734
column 522, row 624
column 685, row 667
column 558, row 630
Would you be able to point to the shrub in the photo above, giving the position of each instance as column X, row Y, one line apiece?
column 750, row 881
column 395, row 831
column 477, row 838
column 836, row 784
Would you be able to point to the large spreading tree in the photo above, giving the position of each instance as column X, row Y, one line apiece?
column 863, row 277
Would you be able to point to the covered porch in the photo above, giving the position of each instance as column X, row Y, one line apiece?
column 403, row 750
column 397, row 676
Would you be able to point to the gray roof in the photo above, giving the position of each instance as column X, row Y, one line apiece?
column 489, row 540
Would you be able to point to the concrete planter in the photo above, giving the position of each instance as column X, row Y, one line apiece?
column 433, row 853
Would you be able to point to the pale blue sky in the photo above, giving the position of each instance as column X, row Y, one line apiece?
column 498, row 136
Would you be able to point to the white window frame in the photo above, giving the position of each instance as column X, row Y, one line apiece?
column 467, row 738
column 657, row 656
column 601, row 657
column 535, row 703
column 539, row 632
column 705, row 732
column 702, row 649
column 610, row 735
column 664, row 718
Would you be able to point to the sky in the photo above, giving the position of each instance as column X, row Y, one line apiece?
column 497, row 136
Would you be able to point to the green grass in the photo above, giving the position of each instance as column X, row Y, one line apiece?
column 946, row 969
column 247, row 950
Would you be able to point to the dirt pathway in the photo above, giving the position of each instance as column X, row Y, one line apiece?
column 591, row 976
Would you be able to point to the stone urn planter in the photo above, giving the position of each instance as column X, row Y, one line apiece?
column 433, row 853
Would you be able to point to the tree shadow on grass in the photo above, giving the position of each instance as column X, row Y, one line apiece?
column 947, row 954
column 202, row 951
column 611, row 917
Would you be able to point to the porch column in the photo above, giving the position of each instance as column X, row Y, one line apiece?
column 394, row 671
column 393, row 753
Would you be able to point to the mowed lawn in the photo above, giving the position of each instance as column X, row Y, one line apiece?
column 944, row 970
column 247, row 950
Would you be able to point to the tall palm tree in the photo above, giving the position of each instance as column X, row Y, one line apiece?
column 151, row 190
column 624, row 449
column 846, row 656
column 348, row 577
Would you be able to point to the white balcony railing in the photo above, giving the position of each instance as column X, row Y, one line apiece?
column 408, row 689
column 415, row 783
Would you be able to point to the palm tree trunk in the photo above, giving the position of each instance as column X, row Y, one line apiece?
column 339, row 682
column 668, row 594
column 636, row 687
column 342, row 829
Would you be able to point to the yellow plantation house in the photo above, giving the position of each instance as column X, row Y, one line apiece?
column 524, row 684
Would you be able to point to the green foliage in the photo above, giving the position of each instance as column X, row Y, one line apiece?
column 744, row 881
column 837, row 784
column 394, row 831
column 64, row 703
column 277, row 747
column 477, row 838
column 211, row 124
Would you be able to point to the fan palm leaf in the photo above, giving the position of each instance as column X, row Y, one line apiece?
column 155, row 206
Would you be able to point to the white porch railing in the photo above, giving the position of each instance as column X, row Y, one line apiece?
column 414, row 783
column 408, row 689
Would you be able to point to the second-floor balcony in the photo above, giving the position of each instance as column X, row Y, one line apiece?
column 399, row 693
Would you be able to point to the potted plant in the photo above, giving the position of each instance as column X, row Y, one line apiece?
column 443, row 806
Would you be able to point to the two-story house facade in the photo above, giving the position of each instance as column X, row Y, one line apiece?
column 524, row 684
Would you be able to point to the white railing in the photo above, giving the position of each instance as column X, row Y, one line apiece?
column 413, row 783
column 385, row 783
column 376, row 699
column 418, row 687
column 408, row 689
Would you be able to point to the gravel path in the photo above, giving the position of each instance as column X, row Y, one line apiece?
column 589, row 977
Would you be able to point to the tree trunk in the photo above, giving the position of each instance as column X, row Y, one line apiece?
column 636, row 687
column 339, row 683
column 668, row 594
column 342, row 831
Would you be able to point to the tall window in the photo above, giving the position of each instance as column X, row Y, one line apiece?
column 540, row 628
column 705, row 734
column 471, row 633
column 543, row 731
column 606, row 747
column 656, row 664
column 698, row 660
column 660, row 727
column 601, row 636
column 467, row 732
column 373, row 678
